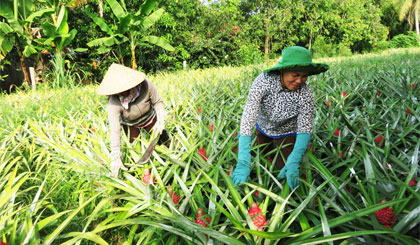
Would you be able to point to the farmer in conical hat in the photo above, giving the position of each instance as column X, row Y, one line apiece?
column 134, row 103
column 280, row 104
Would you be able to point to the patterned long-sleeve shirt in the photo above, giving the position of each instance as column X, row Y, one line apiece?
column 277, row 110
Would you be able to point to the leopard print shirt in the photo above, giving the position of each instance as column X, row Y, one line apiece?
column 277, row 110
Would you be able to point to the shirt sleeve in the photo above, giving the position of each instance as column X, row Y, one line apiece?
column 306, row 111
column 156, row 99
column 114, row 112
column 250, row 114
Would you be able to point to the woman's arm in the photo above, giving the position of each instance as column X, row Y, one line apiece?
column 159, row 107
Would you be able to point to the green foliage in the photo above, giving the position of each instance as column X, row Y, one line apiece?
column 322, row 49
column 227, row 32
column 130, row 27
column 405, row 40
column 381, row 45
column 249, row 54
column 56, row 188
column 17, row 18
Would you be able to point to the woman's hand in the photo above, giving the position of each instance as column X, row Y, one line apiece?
column 160, row 122
column 243, row 168
column 158, row 127
column 291, row 170
column 116, row 164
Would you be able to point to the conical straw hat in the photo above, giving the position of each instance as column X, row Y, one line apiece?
column 118, row 79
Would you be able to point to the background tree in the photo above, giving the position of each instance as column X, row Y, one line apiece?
column 129, row 27
column 269, row 18
column 409, row 9
column 15, row 29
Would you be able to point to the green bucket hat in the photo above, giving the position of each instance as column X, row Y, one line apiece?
column 298, row 58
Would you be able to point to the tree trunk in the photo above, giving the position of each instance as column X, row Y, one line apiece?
column 101, row 8
column 23, row 66
column 416, row 19
column 133, row 57
column 266, row 42
column 310, row 41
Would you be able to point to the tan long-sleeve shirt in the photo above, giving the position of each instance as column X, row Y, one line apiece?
column 139, row 113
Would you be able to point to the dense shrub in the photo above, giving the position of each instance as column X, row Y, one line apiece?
column 381, row 45
column 405, row 41
column 249, row 54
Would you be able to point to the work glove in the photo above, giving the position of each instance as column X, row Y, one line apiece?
column 160, row 122
column 243, row 168
column 116, row 163
column 291, row 169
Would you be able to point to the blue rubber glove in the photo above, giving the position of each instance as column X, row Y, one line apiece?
column 243, row 168
column 291, row 170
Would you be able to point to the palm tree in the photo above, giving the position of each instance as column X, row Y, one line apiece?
column 409, row 9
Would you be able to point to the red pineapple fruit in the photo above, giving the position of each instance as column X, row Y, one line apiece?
column 146, row 176
column 412, row 182
column 202, row 153
column 337, row 132
column 385, row 216
column 379, row 139
column 199, row 220
column 258, row 218
column 229, row 173
column 173, row 195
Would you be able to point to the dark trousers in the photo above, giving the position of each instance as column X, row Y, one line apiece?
column 285, row 145
column 134, row 132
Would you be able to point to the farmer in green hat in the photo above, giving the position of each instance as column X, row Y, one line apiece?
column 281, row 105
column 134, row 103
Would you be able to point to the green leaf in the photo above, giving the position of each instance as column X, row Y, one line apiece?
column 61, row 24
column 66, row 41
column 6, row 10
column 151, row 19
column 49, row 30
column 159, row 42
column 99, row 22
column 106, row 41
column 5, row 46
column 39, row 14
column 341, row 220
column 116, row 8
column 5, row 28
column 54, row 234
column 29, row 50
column 268, row 235
column 147, row 7
column 335, row 237
column 124, row 23
column 85, row 235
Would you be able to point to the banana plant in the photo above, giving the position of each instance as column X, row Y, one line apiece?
column 129, row 27
column 16, row 18
column 58, row 33
column 58, row 36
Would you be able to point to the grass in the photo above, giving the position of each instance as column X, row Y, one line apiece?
column 56, row 187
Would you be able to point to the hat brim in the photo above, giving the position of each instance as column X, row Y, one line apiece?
column 312, row 68
column 118, row 79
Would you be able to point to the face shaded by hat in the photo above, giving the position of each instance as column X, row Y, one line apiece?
column 118, row 79
column 298, row 58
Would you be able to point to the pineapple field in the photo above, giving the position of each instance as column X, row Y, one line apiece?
column 359, row 179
